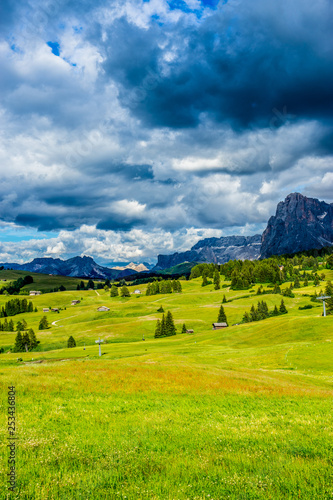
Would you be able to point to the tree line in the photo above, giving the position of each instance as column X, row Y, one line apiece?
column 164, row 286
column 15, row 287
column 16, row 306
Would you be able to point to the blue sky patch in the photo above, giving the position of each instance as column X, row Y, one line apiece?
column 55, row 47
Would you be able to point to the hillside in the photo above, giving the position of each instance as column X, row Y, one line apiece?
column 235, row 413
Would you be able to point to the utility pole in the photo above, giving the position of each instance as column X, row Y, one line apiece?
column 323, row 298
column 99, row 342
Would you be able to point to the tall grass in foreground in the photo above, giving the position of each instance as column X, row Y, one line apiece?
column 106, row 430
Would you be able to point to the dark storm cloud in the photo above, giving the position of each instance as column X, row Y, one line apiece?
column 237, row 65
column 131, row 116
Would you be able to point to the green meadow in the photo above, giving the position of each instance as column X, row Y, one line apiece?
column 239, row 413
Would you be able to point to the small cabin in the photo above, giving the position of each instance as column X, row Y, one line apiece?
column 103, row 308
column 74, row 302
column 189, row 331
column 55, row 309
column 34, row 292
column 218, row 326
column 46, row 310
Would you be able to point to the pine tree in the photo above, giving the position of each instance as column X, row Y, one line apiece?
column 26, row 341
column 316, row 280
column 306, row 283
column 160, row 309
column 18, row 346
column 282, row 308
column 163, row 327
column 158, row 330
column 296, row 283
column 11, row 325
column 179, row 287
column 19, row 326
column 43, row 324
column 184, row 328
column 71, row 342
column 224, row 300
column 329, row 306
column 170, row 328
column 246, row 317
column 32, row 338
column 329, row 288
column 148, row 290
column 275, row 311
column 114, row 291
column 204, row 278
column 216, row 280
column 222, row 316
column 124, row 292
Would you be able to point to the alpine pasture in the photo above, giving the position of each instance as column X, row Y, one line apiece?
column 239, row 413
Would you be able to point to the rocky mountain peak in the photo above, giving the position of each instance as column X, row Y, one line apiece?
column 300, row 224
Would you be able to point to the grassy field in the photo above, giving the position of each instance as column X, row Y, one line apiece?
column 239, row 413
column 42, row 282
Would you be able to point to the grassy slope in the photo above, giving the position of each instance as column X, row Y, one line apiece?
column 240, row 413
column 41, row 282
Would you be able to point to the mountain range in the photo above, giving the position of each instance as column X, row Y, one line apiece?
column 299, row 224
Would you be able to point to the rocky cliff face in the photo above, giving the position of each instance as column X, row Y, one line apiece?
column 217, row 250
column 300, row 224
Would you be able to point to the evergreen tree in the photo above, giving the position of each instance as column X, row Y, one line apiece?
column 36, row 310
column 329, row 288
column 297, row 283
column 148, row 290
column 170, row 328
column 179, row 286
column 62, row 288
column 43, row 324
column 78, row 287
column 329, row 306
column 222, row 318
column 163, row 328
column 282, row 308
column 276, row 289
column 114, row 291
column 216, row 280
column 32, row 338
column 71, row 342
column 19, row 326
column 306, row 283
column 275, row 311
column 18, row 346
column 160, row 309
column 316, row 280
column 158, row 330
column 224, row 300
column 24, row 324
column 124, row 292
column 90, row 284
column 26, row 341
column 204, row 279
column 10, row 325
column 246, row 317
column 184, row 328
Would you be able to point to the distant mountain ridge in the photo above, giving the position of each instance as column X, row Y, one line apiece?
column 217, row 250
column 80, row 267
column 300, row 224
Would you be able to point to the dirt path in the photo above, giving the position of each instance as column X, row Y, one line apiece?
column 97, row 293
column 54, row 323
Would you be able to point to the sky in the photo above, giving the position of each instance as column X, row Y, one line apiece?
column 131, row 128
